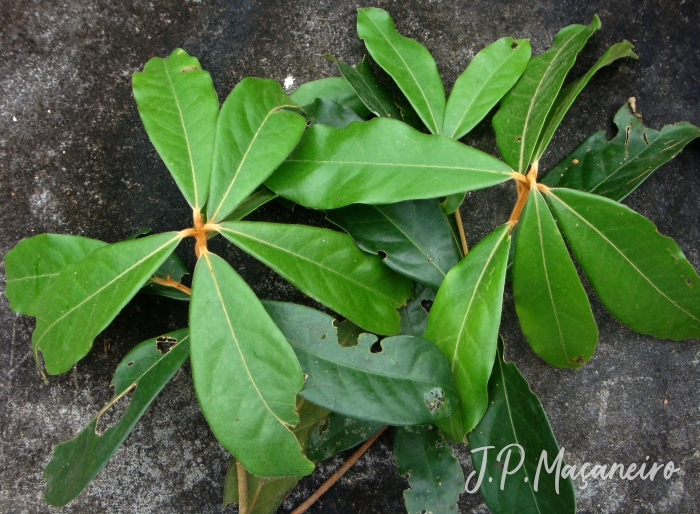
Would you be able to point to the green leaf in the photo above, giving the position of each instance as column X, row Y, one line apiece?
column 464, row 322
column 452, row 202
column 260, row 197
column 245, row 374
column 617, row 167
column 408, row 382
column 87, row 295
column 414, row 315
column 408, row 62
column 266, row 494
column 327, row 112
column 381, row 161
column 371, row 92
column 490, row 75
column 174, row 268
column 415, row 237
column 338, row 433
column 254, row 134
column 143, row 372
column 179, row 107
column 327, row 266
column 335, row 89
column 515, row 415
column 348, row 332
column 523, row 111
column 640, row 276
column 567, row 95
column 434, row 474
column 34, row 264
column 552, row 306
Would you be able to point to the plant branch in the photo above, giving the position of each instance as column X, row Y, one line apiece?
column 336, row 476
column 169, row 282
column 242, row 489
column 460, row 228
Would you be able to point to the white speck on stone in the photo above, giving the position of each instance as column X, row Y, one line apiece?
column 14, row 118
column 288, row 82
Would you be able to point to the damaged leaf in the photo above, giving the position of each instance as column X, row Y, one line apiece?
column 338, row 433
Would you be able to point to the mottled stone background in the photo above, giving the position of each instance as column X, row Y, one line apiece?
column 74, row 158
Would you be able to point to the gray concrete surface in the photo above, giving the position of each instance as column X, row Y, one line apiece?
column 74, row 158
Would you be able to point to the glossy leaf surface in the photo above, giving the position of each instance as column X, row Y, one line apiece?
column 255, row 132
column 327, row 170
column 435, row 477
column 144, row 372
column 408, row 62
column 245, row 374
column 34, row 264
column 327, row 266
column 515, row 415
column 355, row 382
column 617, row 167
column 641, row 276
column 88, row 294
column 567, row 95
column 414, row 235
column 552, row 306
column 260, row 197
column 523, row 111
column 178, row 106
column 464, row 322
column 489, row 76
column 338, row 433
column 414, row 315
column 335, row 89
column 327, row 112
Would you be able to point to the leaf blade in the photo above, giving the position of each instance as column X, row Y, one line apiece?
column 335, row 89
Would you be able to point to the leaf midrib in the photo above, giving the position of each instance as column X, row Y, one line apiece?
column 403, row 165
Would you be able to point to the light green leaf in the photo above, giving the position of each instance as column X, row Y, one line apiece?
column 515, row 415
column 567, row 95
column 408, row 62
column 463, row 323
column 335, row 89
column 434, row 474
column 34, row 264
column 254, row 134
column 327, row 266
column 617, row 167
column 381, row 161
column 414, row 315
column 523, row 111
column 143, row 372
column 87, row 295
column 489, row 76
column 327, row 112
column 266, row 494
column 640, row 276
column 179, row 107
column 260, row 197
column 355, row 382
column 552, row 306
column 414, row 237
column 245, row 374
column 338, row 433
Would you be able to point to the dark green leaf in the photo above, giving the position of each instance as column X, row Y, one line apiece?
column 435, row 476
column 381, row 161
column 173, row 268
column 615, row 168
column 260, row 197
column 327, row 112
column 143, row 372
column 371, row 92
column 516, row 416
column 523, row 111
column 266, row 494
column 567, row 95
column 335, row 89
column 338, row 433
column 489, row 76
column 245, row 374
column 34, row 264
column 255, row 132
column 464, row 322
column 88, row 294
column 641, row 277
column 327, row 266
column 179, row 107
column 414, row 315
column 552, row 306
column 348, row 332
column 408, row 62
column 414, row 237
column 408, row 382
